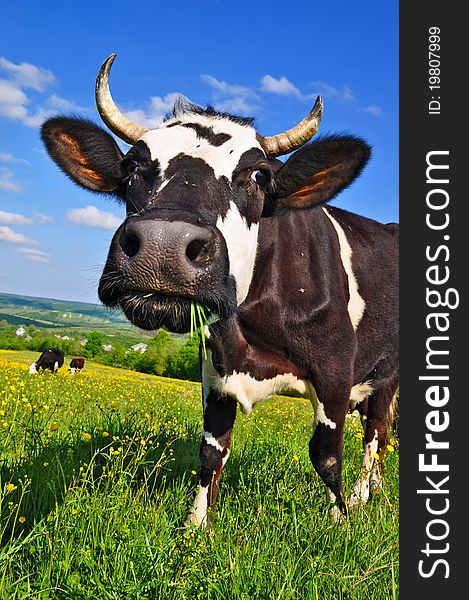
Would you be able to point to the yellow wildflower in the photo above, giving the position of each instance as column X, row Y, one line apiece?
column 86, row 436
column 10, row 487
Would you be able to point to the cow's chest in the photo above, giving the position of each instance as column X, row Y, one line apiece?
column 253, row 378
column 250, row 383
column 247, row 390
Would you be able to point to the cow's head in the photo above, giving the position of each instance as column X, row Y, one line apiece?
column 195, row 190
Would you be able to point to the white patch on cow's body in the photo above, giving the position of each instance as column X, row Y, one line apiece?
column 241, row 242
column 356, row 304
column 360, row 392
column 361, row 490
column 56, row 366
column 212, row 440
column 323, row 418
column 198, row 513
column 73, row 370
column 319, row 410
column 166, row 142
column 247, row 390
column 32, row 369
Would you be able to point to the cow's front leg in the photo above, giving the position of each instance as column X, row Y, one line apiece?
column 326, row 445
column 219, row 416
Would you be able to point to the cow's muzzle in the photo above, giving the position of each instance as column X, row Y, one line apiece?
column 167, row 257
column 158, row 267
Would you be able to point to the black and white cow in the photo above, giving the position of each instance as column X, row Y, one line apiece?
column 76, row 364
column 306, row 295
column 51, row 359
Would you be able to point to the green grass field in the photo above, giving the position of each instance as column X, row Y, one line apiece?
column 98, row 471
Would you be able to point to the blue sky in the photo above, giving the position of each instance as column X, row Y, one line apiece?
column 244, row 57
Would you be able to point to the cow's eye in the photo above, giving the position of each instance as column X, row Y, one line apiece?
column 131, row 166
column 260, row 176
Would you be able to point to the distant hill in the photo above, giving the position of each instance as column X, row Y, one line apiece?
column 49, row 312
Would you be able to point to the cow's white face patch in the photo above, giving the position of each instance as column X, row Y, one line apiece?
column 169, row 141
column 32, row 369
column 241, row 242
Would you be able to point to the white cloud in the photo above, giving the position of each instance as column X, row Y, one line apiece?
column 232, row 97
column 326, row 90
column 9, row 158
column 14, row 218
column 281, row 86
column 18, row 105
column 154, row 112
column 374, row 110
column 12, row 237
column 19, row 219
column 34, row 255
column 231, row 89
column 7, row 181
column 91, row 216
column 41, row 218
column 236, row 106
column 27, row 75
column 35, row 258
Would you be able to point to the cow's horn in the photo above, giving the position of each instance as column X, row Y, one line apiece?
column 119, row 124
column 290, row 140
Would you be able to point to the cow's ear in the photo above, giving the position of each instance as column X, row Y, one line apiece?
column 85, row 152
column 320, row 170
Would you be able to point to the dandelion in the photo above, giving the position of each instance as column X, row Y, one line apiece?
column 53, row 426
column 113, row 404
column 10, row 487
column 86, row 436
column 390, row 448
column 375, row 455
column 296, row 458
column 194, row 472
column 105, row 433
column 22, row 519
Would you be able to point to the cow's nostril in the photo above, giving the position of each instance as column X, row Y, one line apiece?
column 196, row 250
column 129, row 242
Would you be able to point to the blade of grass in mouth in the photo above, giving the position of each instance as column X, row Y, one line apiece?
column 201, row 317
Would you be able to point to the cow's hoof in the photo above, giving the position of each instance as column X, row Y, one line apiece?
column 336, row 514
column 355, row 501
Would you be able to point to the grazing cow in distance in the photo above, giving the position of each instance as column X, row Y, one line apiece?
column 76, row 364
column 51, row 359
column 305, row 295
